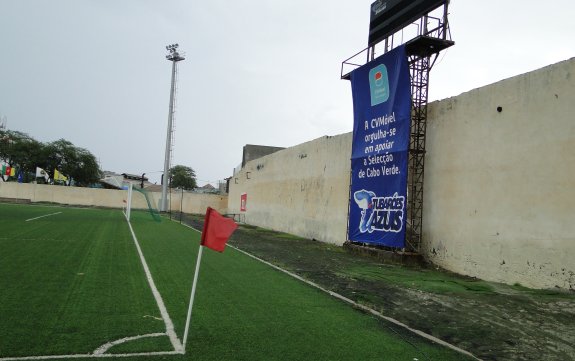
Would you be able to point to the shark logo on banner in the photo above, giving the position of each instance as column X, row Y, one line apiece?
column 379, row 161
column 379, row 213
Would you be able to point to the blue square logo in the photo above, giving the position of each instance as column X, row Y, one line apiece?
column 379, row 84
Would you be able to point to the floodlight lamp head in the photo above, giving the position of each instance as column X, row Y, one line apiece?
column 174, row 55
column 172, row 48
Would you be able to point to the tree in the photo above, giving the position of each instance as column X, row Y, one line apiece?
column 87, row 170
column 21, row 151
column 182, row 177
column 72, row 161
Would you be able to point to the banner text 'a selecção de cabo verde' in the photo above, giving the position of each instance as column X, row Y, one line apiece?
column 379, row 161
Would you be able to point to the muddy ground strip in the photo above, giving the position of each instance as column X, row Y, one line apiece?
column 492, row 321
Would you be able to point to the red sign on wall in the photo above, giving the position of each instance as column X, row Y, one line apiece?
column 243, row 201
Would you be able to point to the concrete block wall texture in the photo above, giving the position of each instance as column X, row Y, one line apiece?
column 301, row 190
column 500, row 180
column 189, row 202
column 499, row 185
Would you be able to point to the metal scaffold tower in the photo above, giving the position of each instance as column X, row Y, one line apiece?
column 419, row 69
column 423, row 52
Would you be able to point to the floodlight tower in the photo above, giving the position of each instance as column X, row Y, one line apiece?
column 174, row 56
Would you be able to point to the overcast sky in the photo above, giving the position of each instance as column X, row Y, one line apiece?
column 256, row 71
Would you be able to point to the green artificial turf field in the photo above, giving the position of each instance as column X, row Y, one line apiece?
column 72, row 281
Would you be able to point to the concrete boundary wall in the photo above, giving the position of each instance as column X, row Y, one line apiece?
column 300, row 190
column 499, row 183
column 500, row 180
column 189, row 202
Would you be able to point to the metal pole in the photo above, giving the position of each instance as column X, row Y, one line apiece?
column 181, row 205
column 164, row 201
column 129, row 202
column 445, row 23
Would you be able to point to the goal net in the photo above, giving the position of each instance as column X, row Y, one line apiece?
column 140, row 199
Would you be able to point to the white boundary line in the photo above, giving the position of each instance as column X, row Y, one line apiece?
column 55, row 357
column 163, row 311
column 355, row 304
column 362, row 307
column 176, row 342
column 46, row 215
column 100, row 351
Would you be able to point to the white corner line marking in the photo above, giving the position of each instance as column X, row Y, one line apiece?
column 104, row 348
column 163, row 311
column 46, row 215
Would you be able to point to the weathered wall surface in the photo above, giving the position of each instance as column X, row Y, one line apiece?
column 197, row 202
column 499, row 186
column 300, row 190
column 189, row 202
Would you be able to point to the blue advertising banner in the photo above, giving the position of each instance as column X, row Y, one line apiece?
column 382, row 107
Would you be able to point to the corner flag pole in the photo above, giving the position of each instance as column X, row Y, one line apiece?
column 217, row 229
column 194, row 283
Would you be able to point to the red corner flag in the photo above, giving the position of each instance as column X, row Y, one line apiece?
column 217, row 230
